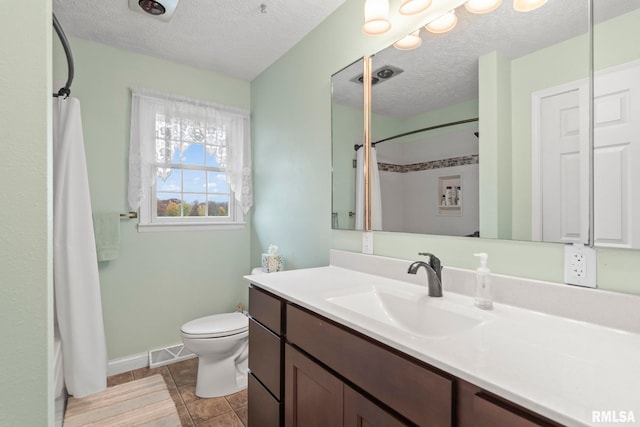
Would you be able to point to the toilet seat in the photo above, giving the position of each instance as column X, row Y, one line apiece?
column 216, row 326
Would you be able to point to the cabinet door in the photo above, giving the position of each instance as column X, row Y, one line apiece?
column 361, row 412
column 421, row 395
column 313, row 397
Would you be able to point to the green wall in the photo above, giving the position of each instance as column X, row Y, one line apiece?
column 384, row 126
column 616, row 41
column 292, row 144
column 26, row 320
column 347, row 126
column 495, row 146
column 160, row 279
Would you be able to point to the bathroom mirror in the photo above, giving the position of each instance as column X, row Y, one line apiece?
column 616, row 130
column 511, row 70
column 347, row 130
column 492, row 67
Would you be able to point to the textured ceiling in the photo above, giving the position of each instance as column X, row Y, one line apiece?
column 443, row 70
column 230, row 37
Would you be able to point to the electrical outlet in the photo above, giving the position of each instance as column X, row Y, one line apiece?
column 580, row 265
column 367, row 242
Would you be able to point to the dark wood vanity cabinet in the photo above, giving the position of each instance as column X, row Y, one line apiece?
column 265, row 388
column 423, row 396
column 308, row 371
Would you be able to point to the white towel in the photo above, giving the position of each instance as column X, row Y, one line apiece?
column 106, row 227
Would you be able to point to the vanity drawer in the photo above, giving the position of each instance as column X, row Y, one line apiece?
column 263, row 409
column 265, row 363
column 266, row 309
column 478, row 408
column 413, row 390
column 491, row 413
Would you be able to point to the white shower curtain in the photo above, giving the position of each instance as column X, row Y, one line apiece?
column 376, row 199
column 75, row 265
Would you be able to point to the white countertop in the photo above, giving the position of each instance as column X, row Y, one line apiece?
column 560, row 368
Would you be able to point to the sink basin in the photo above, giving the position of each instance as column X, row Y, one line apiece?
column 413, row 311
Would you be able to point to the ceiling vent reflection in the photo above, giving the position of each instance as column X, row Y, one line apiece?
column 380, row 75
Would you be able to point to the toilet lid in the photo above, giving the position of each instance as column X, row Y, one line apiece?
column 218, row 325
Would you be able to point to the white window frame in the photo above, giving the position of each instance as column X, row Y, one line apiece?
column 148, row 218
column 149, row 221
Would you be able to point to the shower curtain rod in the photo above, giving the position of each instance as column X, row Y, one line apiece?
column 66, row 90
column 444, row 125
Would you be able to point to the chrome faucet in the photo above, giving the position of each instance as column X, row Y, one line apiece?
column 434, row 273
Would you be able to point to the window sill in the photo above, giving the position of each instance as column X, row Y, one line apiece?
column 187, row 226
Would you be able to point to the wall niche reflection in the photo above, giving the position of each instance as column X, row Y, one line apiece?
column 429, row 181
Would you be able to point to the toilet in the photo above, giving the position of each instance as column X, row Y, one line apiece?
column 221, row 343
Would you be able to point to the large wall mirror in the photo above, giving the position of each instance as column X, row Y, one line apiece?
column 486, row 130
column 616, row 123
column 347, row 130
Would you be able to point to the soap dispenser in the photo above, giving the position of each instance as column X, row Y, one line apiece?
column 483, row 284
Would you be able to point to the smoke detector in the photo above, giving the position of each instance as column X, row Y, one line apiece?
column 159, row 9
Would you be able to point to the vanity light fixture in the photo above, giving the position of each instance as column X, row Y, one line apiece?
column 527, row 5
column 408, row 42
column 443, row 24
column 376, row 17
column 411, row 7
column 482, row 6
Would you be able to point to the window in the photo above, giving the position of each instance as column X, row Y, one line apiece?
column 189, row 163
column 194, row 184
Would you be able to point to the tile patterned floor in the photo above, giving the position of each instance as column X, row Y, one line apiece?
column 227, row 411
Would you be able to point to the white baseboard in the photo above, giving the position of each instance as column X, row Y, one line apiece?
column 127, row 363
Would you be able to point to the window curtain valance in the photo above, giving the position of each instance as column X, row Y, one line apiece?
column 164, row 125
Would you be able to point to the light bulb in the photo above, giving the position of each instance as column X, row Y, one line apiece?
column 443, row 24
column 411, row 7
column 527, row 5
column 408, row 42
column 376, row 17
column 482, row 6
